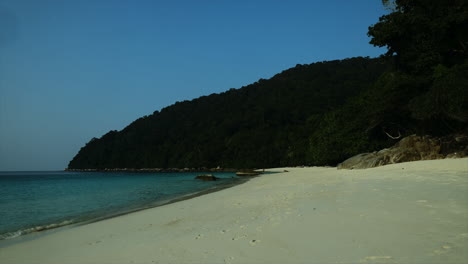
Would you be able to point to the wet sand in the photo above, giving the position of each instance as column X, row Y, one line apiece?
column 413, row 212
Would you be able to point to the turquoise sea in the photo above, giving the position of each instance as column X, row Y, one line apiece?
column 37, row 201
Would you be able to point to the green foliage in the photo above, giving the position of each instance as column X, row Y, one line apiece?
column 447, row 97
column 424, row 33
column 362, row 123
column 429, row 39
column 337, row 137
column 264, row 124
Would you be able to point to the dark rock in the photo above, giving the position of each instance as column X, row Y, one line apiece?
column 247, row 173
column 458, row 154
column 411, row 148
column 207, row 177
column 362, row 161
column 454, row 146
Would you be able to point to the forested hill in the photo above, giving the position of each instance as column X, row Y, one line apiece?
column 265, row 124
column 317, row 114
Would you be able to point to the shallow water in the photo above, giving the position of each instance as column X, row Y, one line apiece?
column 36, row 201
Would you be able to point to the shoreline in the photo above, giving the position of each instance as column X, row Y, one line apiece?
column 400, row 213
column 169, row 201
column 35, row 232
column 155, row 170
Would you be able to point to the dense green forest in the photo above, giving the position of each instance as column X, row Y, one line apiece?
column 316, row 114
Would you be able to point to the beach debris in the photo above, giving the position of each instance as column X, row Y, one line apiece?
column 207, row 177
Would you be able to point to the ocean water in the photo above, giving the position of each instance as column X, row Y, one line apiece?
column 36, row 201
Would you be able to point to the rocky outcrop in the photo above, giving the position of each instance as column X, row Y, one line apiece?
column 207, row 177
column 411, row 148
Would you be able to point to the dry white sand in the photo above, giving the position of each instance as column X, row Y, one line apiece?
column 404, row 213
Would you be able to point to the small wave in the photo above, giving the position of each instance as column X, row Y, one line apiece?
column 10, row 235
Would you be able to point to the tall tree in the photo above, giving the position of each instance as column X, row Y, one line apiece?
column 423, row 33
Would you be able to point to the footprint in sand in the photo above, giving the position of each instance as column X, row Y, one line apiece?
column 378, row 259
column 239, row 237
column 228, row 260
column 442, row 250
column 95, row 242
column 253, row 242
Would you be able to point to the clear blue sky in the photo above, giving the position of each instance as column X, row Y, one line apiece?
column 71, row 70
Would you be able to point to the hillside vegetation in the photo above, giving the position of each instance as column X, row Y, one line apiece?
column 316, row 114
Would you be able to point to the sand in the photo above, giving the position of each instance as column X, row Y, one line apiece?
column 413, row 212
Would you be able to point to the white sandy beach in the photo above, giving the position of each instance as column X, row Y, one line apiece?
column 413, row 212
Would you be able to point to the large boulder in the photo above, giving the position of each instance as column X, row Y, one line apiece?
column 414, row 148
column 410, row 148
column 362, row 161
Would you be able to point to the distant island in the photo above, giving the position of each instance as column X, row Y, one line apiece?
column 316, row 114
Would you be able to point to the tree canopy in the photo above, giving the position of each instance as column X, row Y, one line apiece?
column 429, row 38
column 264, row 124
column 423, row 33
